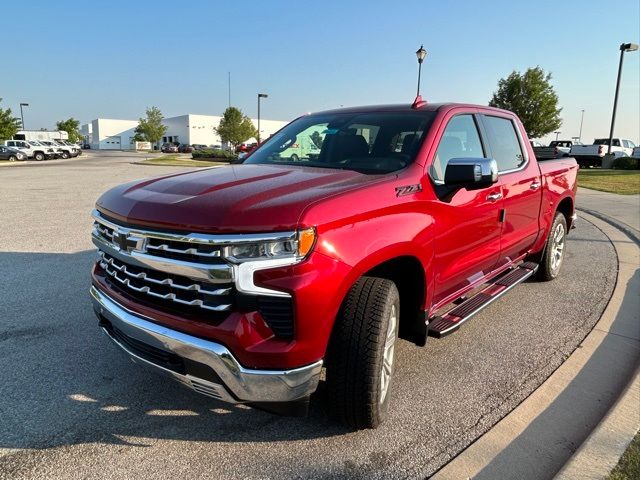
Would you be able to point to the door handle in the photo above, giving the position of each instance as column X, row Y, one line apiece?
column 494, row 197
column 535, row 185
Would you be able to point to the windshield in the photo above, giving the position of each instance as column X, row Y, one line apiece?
column 372, row 143
column 34, row 143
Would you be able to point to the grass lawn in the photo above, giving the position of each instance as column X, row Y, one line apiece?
column 179, row 162
column 625, row 182
column 629, row 466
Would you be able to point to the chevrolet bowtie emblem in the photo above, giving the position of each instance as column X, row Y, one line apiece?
column 120, row 240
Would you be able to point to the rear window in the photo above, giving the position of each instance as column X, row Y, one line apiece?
column 504, row 142
column 605, row 141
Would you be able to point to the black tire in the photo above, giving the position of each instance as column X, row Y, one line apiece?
column 12, row 158
column 38, row 156
column 553, row 255
column 294, row 158
column 64, row 155
column 355, row 392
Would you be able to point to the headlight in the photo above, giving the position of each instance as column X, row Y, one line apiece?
column 295, row 248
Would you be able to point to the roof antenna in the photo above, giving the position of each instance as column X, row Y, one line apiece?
column 421, row 53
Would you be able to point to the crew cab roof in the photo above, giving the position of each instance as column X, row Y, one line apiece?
column 407, row 107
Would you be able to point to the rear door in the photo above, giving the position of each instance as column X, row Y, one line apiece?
column 521, row 184
column 467, row 230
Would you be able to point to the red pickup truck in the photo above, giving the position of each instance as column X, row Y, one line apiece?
column 245, row 282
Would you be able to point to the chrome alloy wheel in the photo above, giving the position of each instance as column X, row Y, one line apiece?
column 557, row 247
column 388, row 354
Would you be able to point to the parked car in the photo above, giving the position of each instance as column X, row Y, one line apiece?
column 76, row 150
column 11, row 154
column 168, row 148
column 199, row 146
column 63, row 151
column 556, row 149
column 592, row 155
column 636, row 152
column 185, row 148
column 33, row 149
column 245, row 281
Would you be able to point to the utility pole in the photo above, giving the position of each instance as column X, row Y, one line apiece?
column 260, row 95
column 22, row 113
column 581, row 121
column 229, row 82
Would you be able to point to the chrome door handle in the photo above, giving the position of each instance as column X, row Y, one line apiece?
column 494, row 197
column 535, row 185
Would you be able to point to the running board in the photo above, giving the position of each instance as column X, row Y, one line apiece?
column 451, row 321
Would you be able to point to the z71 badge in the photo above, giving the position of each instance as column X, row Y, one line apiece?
column 408, row 189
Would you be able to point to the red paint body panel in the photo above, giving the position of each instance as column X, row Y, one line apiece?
column 360, row 223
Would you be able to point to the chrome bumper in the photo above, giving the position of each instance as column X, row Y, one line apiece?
column 237, row 384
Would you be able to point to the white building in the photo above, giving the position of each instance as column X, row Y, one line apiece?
column 105, row 133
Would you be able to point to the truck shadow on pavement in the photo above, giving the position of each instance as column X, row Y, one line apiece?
column 553, row 435
column 64, row 382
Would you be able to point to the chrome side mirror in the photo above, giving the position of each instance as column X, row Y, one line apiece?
column 471, row 173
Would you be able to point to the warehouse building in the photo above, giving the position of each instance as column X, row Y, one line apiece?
column 112, row 134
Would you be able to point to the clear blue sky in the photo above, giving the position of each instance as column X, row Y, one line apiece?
column 112, row 59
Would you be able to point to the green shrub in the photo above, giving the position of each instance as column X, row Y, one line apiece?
column 208, row 153
column 626, row 163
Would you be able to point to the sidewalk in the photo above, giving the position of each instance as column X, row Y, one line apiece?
column 624, row 208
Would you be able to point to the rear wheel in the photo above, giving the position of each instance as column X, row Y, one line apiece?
column 12, row 158
column 65, row 155
column 39, row 156
column 361, row 356
column 554, row 249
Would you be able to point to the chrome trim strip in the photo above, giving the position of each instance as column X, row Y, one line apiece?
column 202, row 238
column 245, row 385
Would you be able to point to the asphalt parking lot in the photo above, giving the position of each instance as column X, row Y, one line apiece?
column 72, row 406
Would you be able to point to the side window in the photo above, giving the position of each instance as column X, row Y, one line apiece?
column 615, row 142
column 459, row 140
column 505, row 146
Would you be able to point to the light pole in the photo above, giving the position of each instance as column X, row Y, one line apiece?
column 581, row 121
column 557, row 133
column 260, row 95
column 625, row 47
column 22, row 113
column 421, row 53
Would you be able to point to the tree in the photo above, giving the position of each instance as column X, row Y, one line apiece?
column 139, row 135
column 532, row 98
column 235, row 127
column 70, row 126
column 9, row 125
column 151, row 128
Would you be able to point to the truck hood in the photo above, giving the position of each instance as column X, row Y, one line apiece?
column 232, row 199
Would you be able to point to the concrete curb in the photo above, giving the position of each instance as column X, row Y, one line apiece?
column 538, row 438
column 631, row 232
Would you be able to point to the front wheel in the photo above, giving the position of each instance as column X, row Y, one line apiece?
column 39, row 156
column 12, row 158
column 361, row 356
column 65, row 155
column 554, row 249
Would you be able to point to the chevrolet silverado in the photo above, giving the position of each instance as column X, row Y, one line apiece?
column 245, row 282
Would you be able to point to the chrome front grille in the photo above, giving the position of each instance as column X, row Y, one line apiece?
column 171, row 288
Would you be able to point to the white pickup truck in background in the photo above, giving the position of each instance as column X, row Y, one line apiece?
column 592, row 155
column 556, row 149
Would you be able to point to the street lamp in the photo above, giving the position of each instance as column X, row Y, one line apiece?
column 22, row 113
column 421, row 53
column 625, row 47
column 581, row 121
column 557, row 133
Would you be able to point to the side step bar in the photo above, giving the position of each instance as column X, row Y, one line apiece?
column 451, row 321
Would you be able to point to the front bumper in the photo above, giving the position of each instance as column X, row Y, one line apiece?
column 205, row 366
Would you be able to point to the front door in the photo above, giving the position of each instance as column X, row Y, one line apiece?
column 467, row 232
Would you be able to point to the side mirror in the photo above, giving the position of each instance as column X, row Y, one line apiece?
column 471, row 173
